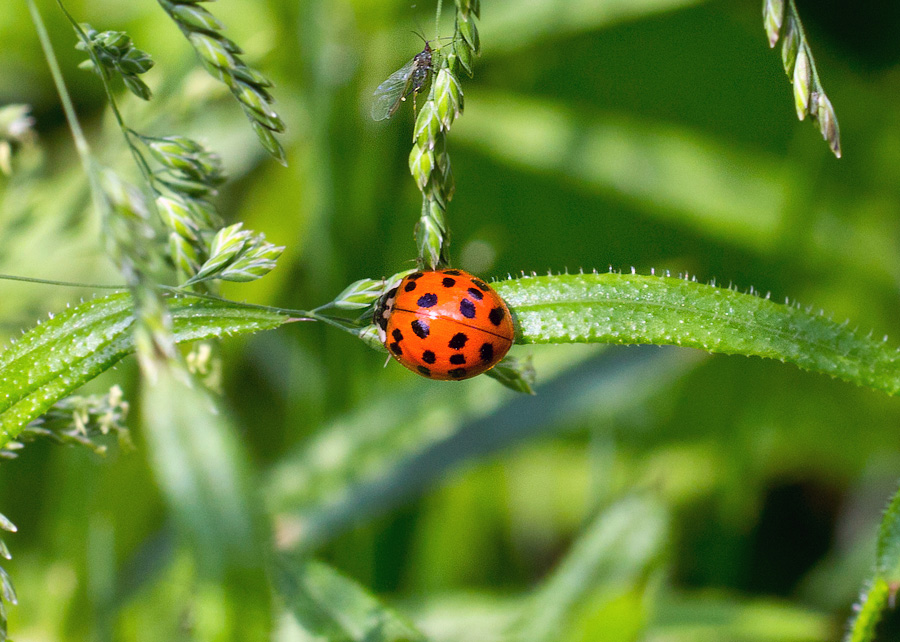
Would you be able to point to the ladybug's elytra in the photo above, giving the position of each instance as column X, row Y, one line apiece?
column 444, row 324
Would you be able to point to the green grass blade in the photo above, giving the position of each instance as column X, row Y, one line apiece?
column 720, row 189
column 887, row 564
column 615, row 553
column 327, row 605
column 697, row 616
column 629, row 309
column 882, row 588
column 370, row 461
column 57, row 356
column 515, row 26
column 869, row 611
column 204, row 475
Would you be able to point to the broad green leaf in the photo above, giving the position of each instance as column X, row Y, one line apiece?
column 628, row 309
column 328, row 606
column 203, row 473
column 57, row 356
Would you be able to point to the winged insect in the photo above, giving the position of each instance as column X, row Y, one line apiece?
column 406, row 81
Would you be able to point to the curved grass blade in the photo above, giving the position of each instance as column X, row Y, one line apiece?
column 630, row 309
column 204, row 474
column 327, row 605
column 56, row 357
column 618, row 549
column 882, row 589
column 726, row 192
column 869, row 611
column 371, row 461
column 686, row 615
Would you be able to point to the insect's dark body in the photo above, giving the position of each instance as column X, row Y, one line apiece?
column 403, row 83
column 421, row 69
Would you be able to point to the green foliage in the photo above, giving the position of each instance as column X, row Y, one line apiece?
column 221, row 58
column 869, row 611
column 612, row 556
column 7, row 592
column 204, row 475
column 642, row 493
column 514, row 374
column 783, row 21
column 326, row 605
column 429, row 160
column 364, row 463
column 617, row 308
column 700, row 617
column 16, row 130
column 79, row 421
column 56, row 357
column 887, row 564
column 115, row 53
column 881, row 589
column 238, row 255
column 201, row 247
column 197, row 170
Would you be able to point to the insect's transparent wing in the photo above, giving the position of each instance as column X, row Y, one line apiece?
column 392, row 91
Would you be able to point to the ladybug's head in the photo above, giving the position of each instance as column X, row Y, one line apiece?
column 383, row 308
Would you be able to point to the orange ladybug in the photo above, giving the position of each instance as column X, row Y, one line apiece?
column 444, row 324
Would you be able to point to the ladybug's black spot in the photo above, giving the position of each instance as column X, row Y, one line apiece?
column 420, row 328
column 452, row 272
column 427, row 300
column 398, row 336
column 448, row 282
column 476, row 294
column 390, row 294
column 415, row 275
column 467, row 309
column 458, row 359
column 428, row 356
column 424, row 371
column 496, row 315
column 458, row 341
column 481, row 285
column 395, row 348
column 410, row 286
column 457, row 373
column 487, row 352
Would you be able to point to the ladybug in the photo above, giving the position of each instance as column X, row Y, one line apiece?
column 444, row 324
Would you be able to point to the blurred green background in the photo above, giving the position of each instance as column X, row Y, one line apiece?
column 726, row 498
